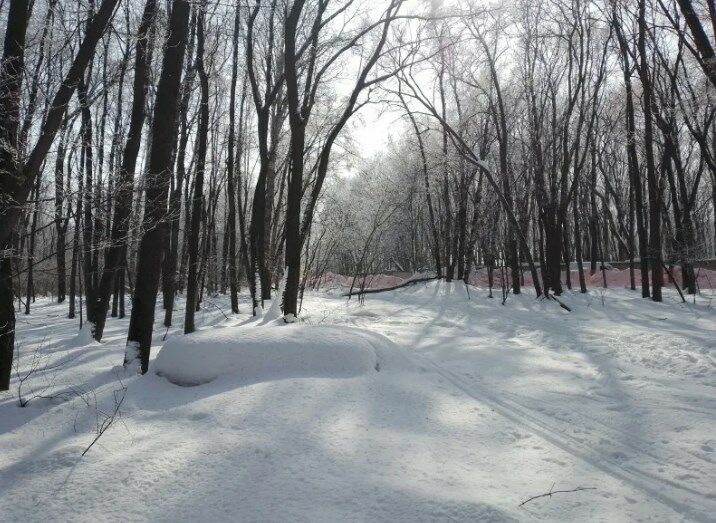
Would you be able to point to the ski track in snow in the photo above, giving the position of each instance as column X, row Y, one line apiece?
column 475, row 408
column 619, row 453
column 559, row 436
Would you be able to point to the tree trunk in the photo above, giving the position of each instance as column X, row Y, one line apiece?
column 125, row 184
column 632, row 159
column 164, row 124
column 87, row 223
column 655, row 256
column 170, row 279
column 297, row 120
column 192, row 294
column 75, row 250
column 30, row 289
column 11, row 73
column 230, row 171
column 60, row 221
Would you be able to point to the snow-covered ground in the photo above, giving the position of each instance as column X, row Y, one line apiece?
column 423, row 404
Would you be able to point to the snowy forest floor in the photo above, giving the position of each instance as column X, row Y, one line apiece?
column 471, row 408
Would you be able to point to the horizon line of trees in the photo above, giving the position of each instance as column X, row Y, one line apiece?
column 192, row 147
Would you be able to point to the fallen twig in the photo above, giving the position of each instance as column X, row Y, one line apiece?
column 384, row 289
column 551, row 492
column 561, row 303
column 216, row 307
column 109, row 419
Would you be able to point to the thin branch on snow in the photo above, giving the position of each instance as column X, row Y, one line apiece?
column 109, row 419
column 551, row 492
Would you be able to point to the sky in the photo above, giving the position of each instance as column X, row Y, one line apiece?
column 373, row 127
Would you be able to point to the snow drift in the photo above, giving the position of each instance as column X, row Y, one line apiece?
column 266, row 353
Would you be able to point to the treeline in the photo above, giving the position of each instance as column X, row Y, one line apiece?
column 569, row 131
column 181, row 147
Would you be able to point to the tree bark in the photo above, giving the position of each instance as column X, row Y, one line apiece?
column 297, row 119
column 11, row 72
column 87, row 220
column 655, row 255
column 704, row 47
column 170, row 279
column 230, row 171
column 113, row 256
column 192, row 294
column 632, row 159
column 60, row 221
column 151, row 251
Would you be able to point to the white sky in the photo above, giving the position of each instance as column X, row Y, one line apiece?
column 373, row 127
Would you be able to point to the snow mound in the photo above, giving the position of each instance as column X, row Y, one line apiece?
column 257, row 354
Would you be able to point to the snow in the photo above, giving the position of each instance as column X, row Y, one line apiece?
column 474, row 407
column 256, row 354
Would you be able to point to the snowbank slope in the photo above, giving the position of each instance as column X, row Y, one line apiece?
column 255, row 354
